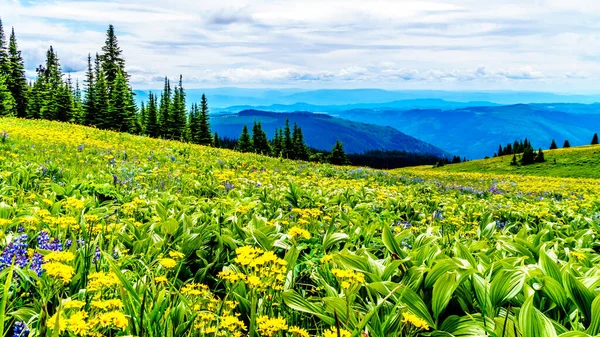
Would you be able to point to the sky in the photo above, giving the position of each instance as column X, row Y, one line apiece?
column 532, row 45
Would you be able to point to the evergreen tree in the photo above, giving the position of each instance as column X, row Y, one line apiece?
column 89, row 100
column 152, row 127
column 595, row 139
column 142, row 117
column 277, row 143
column 300, row 148
column 528, row 156
column 38, row 96
column 566, row 144
column 4, row 61
column 288, row 144
column 539, row 158
column 509, row 149
column 194, row 124
column 165, row 108
column 259, row 140
column 514, row 160
column 78, row 113
column 62, row 104
column 122, row 117
column 102, row 102
column 204, row 133
column 244, row 143
column 7, row 102
column 112, row 59
column 178, row 115
column 17, row 82
column 553, row 145
column 217, row 141
column 500, row 153
column 338, row 156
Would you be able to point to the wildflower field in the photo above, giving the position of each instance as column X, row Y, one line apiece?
column 108, row 234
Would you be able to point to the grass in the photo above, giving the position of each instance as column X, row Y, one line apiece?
column 574, row 162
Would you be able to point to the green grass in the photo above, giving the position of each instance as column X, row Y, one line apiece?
column 575, row 162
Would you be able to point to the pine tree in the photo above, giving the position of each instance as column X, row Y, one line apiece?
column 38, row 95
column 338, row 156
column 509, row 149
column 566, row 144
column 300, row 148
column 7, row 102
column 152, row 127
column 89, row 108
column 143, row 115
column 204, row 133
column 165, row 108
column 17, row 82
column 4, row 61
column 260, row 142
column 78, row 113
column 514, row 160
column 539, row 158
column 62, row 109
column 178, row 115
column 553, row 145
column 193, row 124
column 277, row 143
column 244, row 143
column 288, row 144
column 500, row 153
column 595, row 139
column 102, row 103
column 120, row 110
column 217, row 141
column 112, row 59
column 528, row 156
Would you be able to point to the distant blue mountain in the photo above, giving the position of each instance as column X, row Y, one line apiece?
column 226, row 97
column 321, row 131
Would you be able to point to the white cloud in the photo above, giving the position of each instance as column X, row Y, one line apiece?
column 501, row 44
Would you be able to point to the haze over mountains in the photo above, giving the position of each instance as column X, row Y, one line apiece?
column 468, row 123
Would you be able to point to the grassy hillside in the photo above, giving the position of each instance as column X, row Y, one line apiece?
column 321, row 131
column 581, row 161
column 109, row 234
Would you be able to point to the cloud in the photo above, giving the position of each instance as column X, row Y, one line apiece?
column 503, row 44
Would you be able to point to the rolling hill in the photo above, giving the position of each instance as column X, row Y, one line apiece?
column 321, row 131
column 574, row 162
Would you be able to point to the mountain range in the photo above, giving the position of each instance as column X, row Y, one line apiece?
column 321, row 131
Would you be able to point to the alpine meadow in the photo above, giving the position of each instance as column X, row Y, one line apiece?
column 290, row 199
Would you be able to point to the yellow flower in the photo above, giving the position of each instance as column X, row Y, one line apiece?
column 578, row 256
column 57, row 321
column 348, row 278
column 176, row 255
column 107, row 304
column 59, row 257
column 100, row 280
column 167, row 263
column 297, row 232
column 326, row 258
column 334, row 332
column 59, row 270
column 77, row 324
column 74, row 304
column 414, row 320
column 195, row 289
column 231, row 276
column 112, row 318
column 268, row 327
column 161, row 279
column 298, row 332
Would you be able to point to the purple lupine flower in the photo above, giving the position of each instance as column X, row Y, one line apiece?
column 96, row 256
column 80, row 148
column 20, row 329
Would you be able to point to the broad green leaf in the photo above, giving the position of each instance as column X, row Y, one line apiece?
column 505, row 286
column 443, row 289
column 579, row 294
column 293, row 300
column 533, row 323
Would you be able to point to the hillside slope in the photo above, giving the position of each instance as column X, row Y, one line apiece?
column 321, row 131
column 575, row 162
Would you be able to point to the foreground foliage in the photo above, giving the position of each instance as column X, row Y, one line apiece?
column 118, row 235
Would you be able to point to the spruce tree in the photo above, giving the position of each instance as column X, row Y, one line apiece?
column 514, row 160
column 553, row 145
column 539, row 158
column 193, row 124
column 217, row 141
column 17, row 81
column 500, row 153
column 143, row 115
column 566, row 144
column 259, row 140
column 288, row 144
column 277, row 143
column 595, row 139
column 178, row 115
column 165, row 108
column 300, row 148
column 244, row 143
column 152, row 127
column 204, row 133
column 102, row 103
column 89, row 108
column 112, row 59
column 78, row 113
column 38, row 95
column 121, row 113
column 7, row 102
column 528, row 156
column 4, row 61
column 62, row 105
column 338, row 156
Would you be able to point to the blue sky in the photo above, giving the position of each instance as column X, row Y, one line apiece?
column 545, row 45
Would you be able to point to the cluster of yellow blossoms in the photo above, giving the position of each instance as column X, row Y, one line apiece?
column 263, row 269
column 414, row 320
column 297, row 232
column 269, row 327
column 348, row 278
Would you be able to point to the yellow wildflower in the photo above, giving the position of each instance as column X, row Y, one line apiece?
column 297, row 232
column 268, row 327
column 58, row 270
column 414, row 320
column 167, row 263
